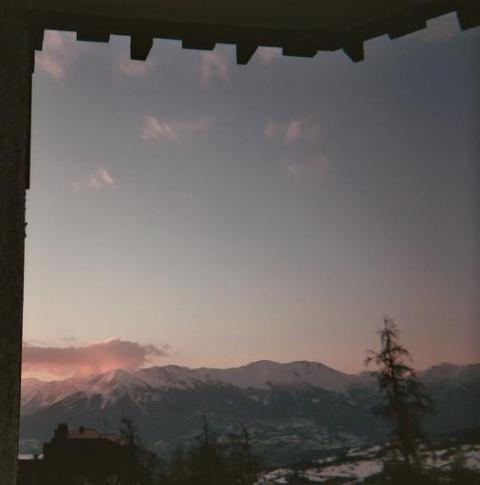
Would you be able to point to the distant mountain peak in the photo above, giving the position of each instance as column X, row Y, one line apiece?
column 279, row 401
column 259, row 375
column 262, row 374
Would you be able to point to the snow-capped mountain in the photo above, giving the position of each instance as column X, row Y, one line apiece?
column 258, row 375
column 37, row 394
column 139, row 385
column 294, row 409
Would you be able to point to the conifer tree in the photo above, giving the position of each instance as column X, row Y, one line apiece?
column 139, row 465
column 243, row 463
column 206, row 461
column 178, row 469
column 405, row 399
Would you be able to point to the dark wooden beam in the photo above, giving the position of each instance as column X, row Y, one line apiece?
column 245, row 53
column 91, row 35
column 300, row 28
column 198, row 43
column 140, row 46
column 15, row 101
column 469, row 15
column 300, row 51
column 407, row 27
column 355, row 52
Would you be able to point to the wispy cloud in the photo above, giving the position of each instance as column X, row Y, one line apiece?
column 162, row 129
column 55, row 41
column 51, row 66
column 92, row 358
column 267, row 55
column 292, row 131
column 131, row 68
column 58, row 52
column 98, row 180
column 105, row 177
column 213, row 66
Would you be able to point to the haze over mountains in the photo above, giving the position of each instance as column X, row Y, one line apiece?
column 294, row 410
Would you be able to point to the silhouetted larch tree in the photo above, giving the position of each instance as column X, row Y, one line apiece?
column 213, row 462
column 404, row 398
column 178, row 473
column 140, row 465
column 207, row 461
column 243, row 463
column 252, row 461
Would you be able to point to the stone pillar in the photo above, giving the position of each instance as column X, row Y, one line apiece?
column 15, row 104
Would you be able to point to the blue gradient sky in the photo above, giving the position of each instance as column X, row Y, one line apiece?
column 273, row 211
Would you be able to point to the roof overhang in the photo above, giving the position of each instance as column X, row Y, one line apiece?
column 298, row 27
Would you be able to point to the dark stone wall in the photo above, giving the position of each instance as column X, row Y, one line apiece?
column 15, row 98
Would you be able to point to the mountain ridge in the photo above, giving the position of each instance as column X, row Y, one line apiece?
column 294, row 410
column 257, row 375
column 261, row 374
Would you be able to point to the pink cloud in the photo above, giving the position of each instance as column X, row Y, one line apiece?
column 59, row 51
column 292, row 131
column 93, row 358
column 213, row 66
column 105, row 177
column 158, row 129
column 54, row 40
column 100, row 179
column 134, row 68
column 93, row 182
column 50, row 65
column 267, row 55
column 155, row 129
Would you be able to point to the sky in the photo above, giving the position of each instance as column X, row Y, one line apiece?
column 190, row 211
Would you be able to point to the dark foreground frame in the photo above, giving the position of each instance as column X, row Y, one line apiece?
column 299, row 28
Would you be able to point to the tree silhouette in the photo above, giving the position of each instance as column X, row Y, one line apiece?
column 252, row 461
column 212, row 461
column 207, row 464
column 243, row 463
column 140, row 465
column 178, row 468
column 404, row 398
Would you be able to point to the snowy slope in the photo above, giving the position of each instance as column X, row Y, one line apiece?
column 140, row 384
column 257, row 375
column 38, row 394
column 147, row 384
column 363, row 463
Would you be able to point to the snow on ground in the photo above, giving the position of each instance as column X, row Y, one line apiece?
column 364, row 451
column 469, row 455
column 472, row 457
column 356, row 471
column 275, row 476
column 363, row 463
column 29, row 456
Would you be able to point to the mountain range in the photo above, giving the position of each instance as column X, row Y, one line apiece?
column 294, row 411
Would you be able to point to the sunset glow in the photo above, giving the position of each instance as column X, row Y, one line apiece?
column 191, row 211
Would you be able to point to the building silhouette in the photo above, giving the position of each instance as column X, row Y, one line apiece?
column 73, row 456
